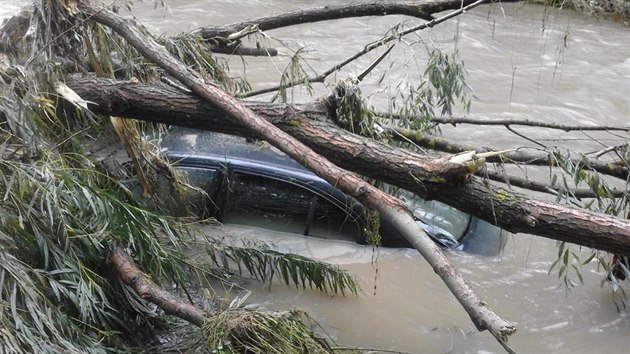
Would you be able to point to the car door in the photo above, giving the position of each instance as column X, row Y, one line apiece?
column 288, row 205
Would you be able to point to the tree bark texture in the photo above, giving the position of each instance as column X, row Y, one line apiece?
column 141, row 283
column 420, row 9
column 308, row 123
column 348, row 182
column 536, row 158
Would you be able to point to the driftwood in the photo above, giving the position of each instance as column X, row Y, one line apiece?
column 388, row 206
column 309, row 123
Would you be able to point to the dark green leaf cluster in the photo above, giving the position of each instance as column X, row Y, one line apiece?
column 56, row 226
column 264, row 263
column 240, row 330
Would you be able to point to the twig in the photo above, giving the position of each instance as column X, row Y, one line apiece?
column 609, row 149
column 503, row 343
column 523, row 122
column 371, row 67
column 525, row 137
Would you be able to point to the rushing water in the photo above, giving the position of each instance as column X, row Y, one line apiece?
column 523, row 62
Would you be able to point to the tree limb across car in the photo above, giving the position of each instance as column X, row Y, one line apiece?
column 388, row 206
column 313, row 134
column 311, row 124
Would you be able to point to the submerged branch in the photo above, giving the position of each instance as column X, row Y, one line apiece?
column 536, row 186
column 523, row 122
column 538, row 158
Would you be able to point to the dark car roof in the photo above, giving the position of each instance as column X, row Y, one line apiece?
column 194, row 147
column 186, row 142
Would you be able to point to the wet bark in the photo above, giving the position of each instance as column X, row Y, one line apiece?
column 420, row 9
column 309, row 124
column 141, row 283
column 350, row 183
column 536, row 158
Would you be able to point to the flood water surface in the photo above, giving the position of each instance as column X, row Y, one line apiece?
column 405, row 307
column 524, row 62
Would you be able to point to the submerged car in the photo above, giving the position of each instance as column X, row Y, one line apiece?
column 252, row 183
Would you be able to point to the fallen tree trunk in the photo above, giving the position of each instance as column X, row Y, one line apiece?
column 390, row 207
column 308, row 123
column 169, row 105
column 420, row 9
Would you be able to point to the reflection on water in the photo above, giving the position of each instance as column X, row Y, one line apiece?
column 518, row 70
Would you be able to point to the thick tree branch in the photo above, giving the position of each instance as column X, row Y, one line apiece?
column 154, row 102
column 141, row 283
column 433, row 7
column 388, row 206
column 536, row 158
column 421, row 9
column 509, row 210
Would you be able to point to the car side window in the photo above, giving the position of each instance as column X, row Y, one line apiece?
column 283, row 206
column 207, row 182
column 266, row 203
column 208, row 179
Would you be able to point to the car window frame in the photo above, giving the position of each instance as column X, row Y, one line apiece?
column 321, row 189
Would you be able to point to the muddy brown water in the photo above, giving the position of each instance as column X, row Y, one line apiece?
column 524, row 62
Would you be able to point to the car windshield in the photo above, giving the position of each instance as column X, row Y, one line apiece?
column 443, row 220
